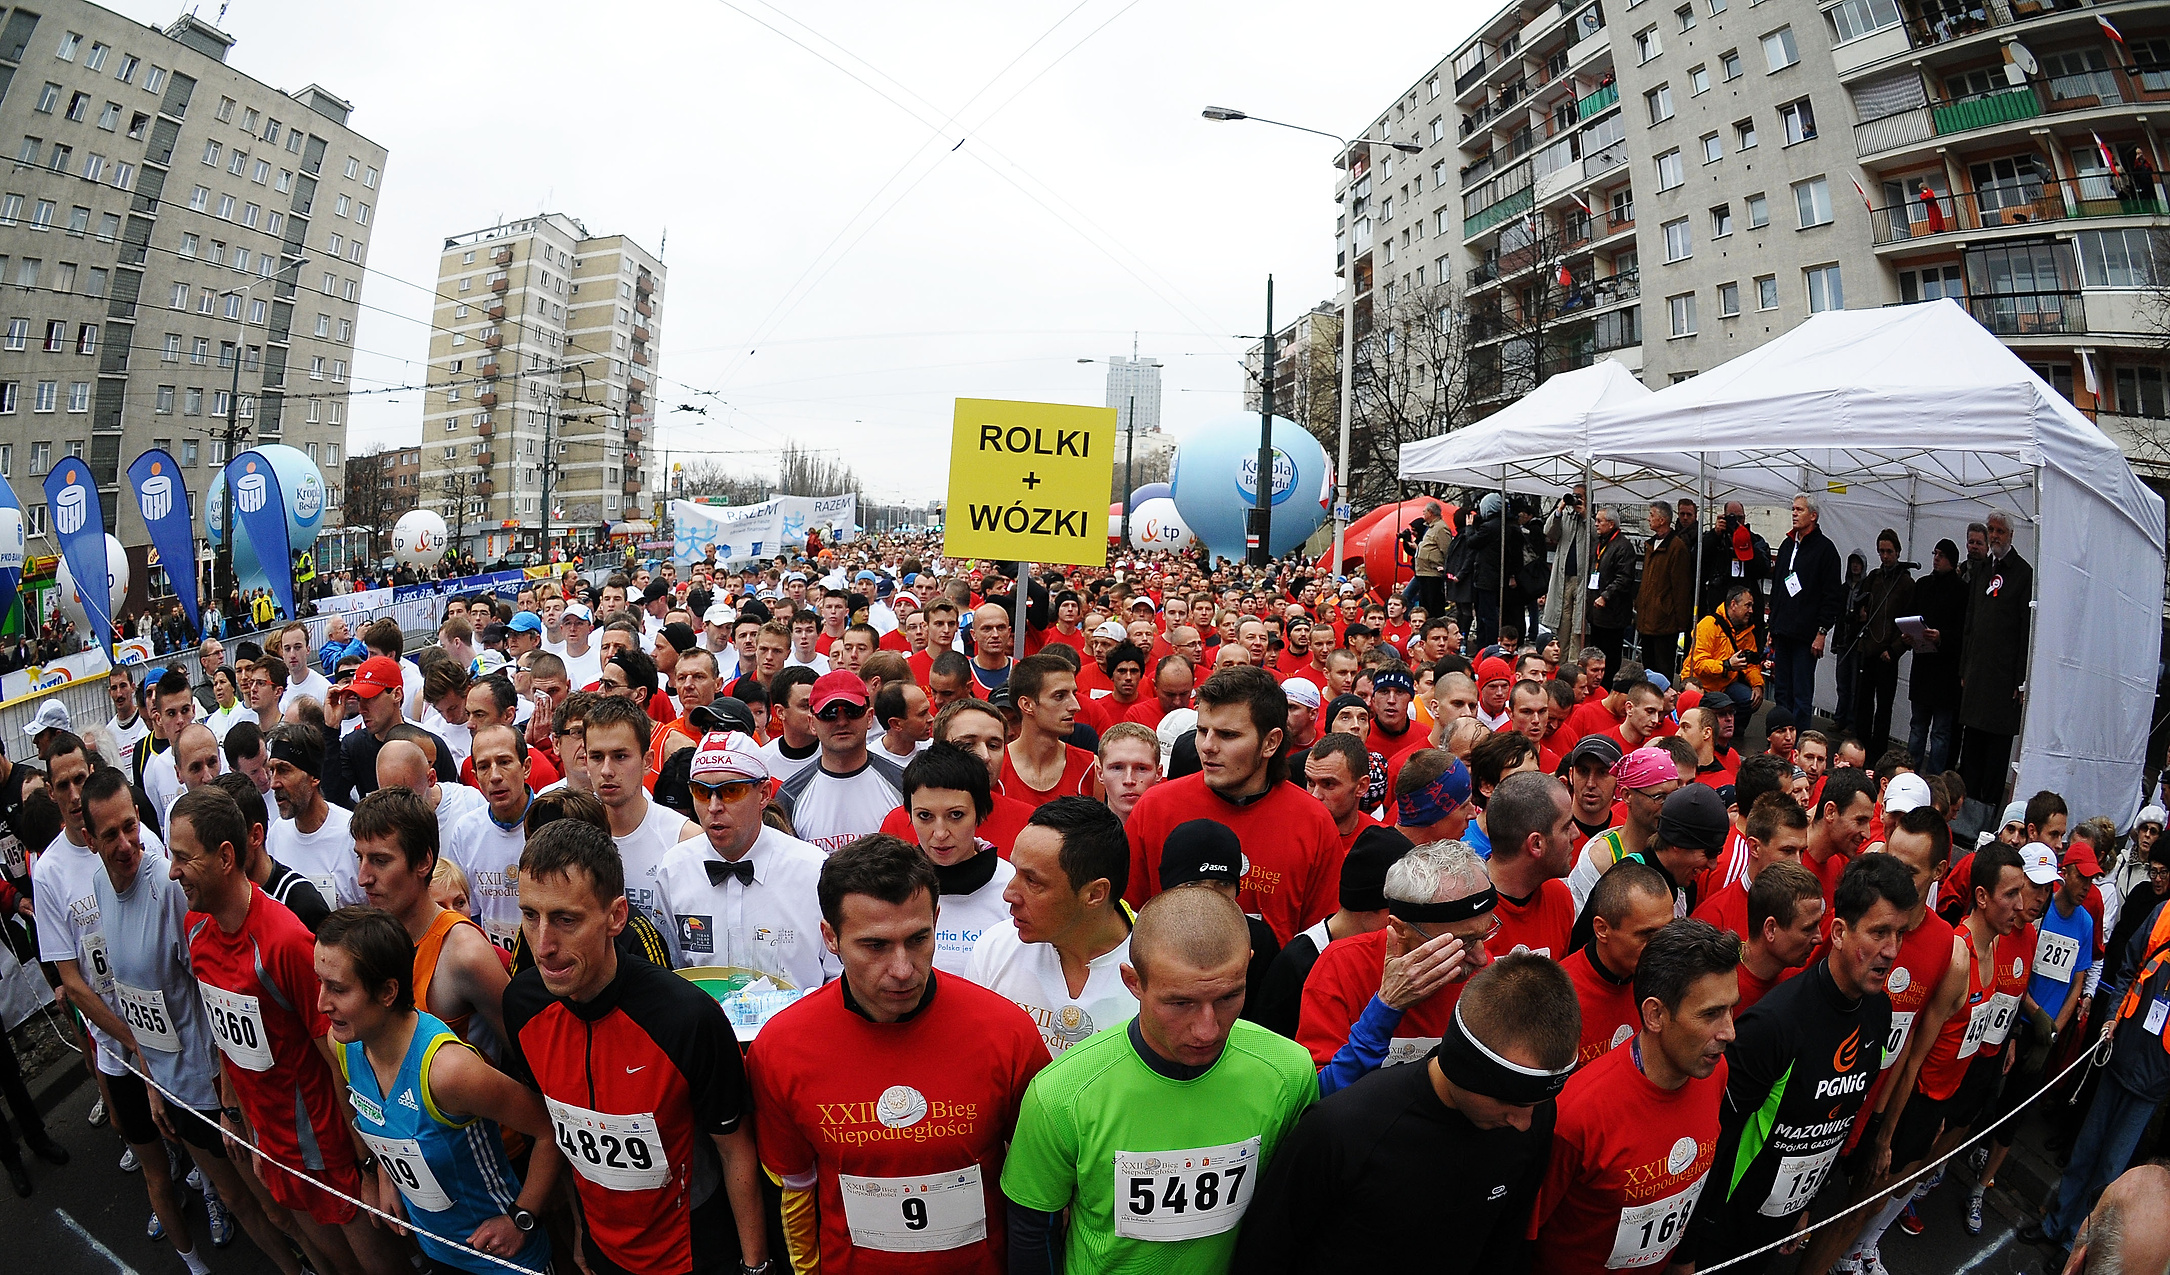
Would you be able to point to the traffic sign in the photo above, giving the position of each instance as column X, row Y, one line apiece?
column 1029, row 481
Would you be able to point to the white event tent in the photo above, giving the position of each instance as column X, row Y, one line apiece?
column 1916, row 419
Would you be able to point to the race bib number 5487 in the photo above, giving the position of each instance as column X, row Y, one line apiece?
column 1183, row 1195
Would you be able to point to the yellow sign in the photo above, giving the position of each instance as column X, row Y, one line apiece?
column 1030, row 481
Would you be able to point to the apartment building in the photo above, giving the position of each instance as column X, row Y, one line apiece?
column 1673, row 182
column 170, row 228
column 1307, row 369
column 541, row 377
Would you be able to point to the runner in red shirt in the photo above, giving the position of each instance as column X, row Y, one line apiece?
column 1776, row 832
column 1296, row 658
column 1045, row 693
column 1637, row 1130
column 1173, row 680
column 1526, row 704
column 1392, row 731
column 1336, row 770
column 1291, row 846
column 256, row 966
column 891, row 1048
column 1528, row 818
column 1601, row 714
column 1125, row 668
column 1785, row 914
column 1628, row 906
column 1840, row 828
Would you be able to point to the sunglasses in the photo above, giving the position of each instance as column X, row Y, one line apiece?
column 730, row 791
column 842, row 713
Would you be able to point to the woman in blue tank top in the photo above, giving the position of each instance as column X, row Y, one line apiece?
column 428, row 1105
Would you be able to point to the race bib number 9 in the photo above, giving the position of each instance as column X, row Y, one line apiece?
column 1902, row 1026
column 618, row 1153
column 1183, row 1195
column 145, row 1013
column 1799, row 1178
column 915, row 1215
column 237, row 1023
column 1649, row 1231
column 402, row 1159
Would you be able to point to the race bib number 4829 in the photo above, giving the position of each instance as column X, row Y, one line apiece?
column 619, row 1153
column 1184, row 1195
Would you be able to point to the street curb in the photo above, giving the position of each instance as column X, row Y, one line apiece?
column 58, row 1084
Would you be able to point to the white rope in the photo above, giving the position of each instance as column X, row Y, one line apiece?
column 1883, row 1196
column 252, row 1149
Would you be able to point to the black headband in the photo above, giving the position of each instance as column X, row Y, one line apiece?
column 1444, row 913
column 288, row 751
column 1470, row 1065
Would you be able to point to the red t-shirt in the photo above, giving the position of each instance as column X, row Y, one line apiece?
column 1392, row 746
column 260, row 988
column 1363, row 821
column 1286, row 667
column 815, row 1117
column 893, row 640
column 1107, row 710
column 1080, row 778
column 1924, row 959
column 1728, row 910
column 1056, row 637
column 1754, row 988
column 1731, row 866
column 1290, row 846
column 1610, row 1012
column 1629, row 1161
column 1344, row 980
column 1992, row 995
column 1090, row 678
column 1829, row 871
column 1591, row 717
column 1542, row 925
column 823, row 641
column 922, row 666
column 1147, row 712
column 999, row 828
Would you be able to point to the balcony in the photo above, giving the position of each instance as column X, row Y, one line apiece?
column 2015, row 314
column 642, row 307
column 645, row 284
column 500, row 284
column 2017, row 204
column 1483, row 274
column 641, row 357
column 483, row 429
column 485, row 487
column 496, row 311
column 632, row 487
column 1605, row 160
column 488, row 398
column 486, row 460
column 489, row 371
column 1889, row 132
column 1585, row 107
column 634, row 436
column 640, row 334
column 1613, row 289
column 2005, row 107
column 493, row 341
column 1471, row 76
column 502, row 257
column 1620, row 219
column 636, row 385
column 1513, row 205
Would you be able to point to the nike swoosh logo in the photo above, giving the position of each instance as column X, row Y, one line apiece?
column 630, row 1070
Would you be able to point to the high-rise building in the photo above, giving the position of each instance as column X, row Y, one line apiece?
column 173, row 228
column 1141, row 451
column 1674, row 182
column 541, row 375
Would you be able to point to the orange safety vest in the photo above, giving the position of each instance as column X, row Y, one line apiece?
column 2158, row 951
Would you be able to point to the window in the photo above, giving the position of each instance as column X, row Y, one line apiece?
column 192, row 405
column 361, row 214
column 8, row 392
column 48, row 98
column 189, row 452
column 1671, row 173
column 165, row 400
column 1852, row 19
column 1798, row 120
column 199, row 351
column 316, row 373
column 171, row 352
column 96, row 59
column 293, row 142
column 69, row 43
column 1721, row 221
column 1729, row 300
column 1712, row 150
column 154, row 79
column 226, row 207
column 86, row 338
column 286, row 180
column 189, row 244
column 256, row 304
column 78, row 221
column 238, row 164
column 336, row 243
column 1778, row 50
column 127, row 72
column 261, row 173
column 1759, row 211
column 211, row 153
column 18, row 333
column 199, row 199
column 249, row 214
column 1682, row 309
column 180, row 297
column 1744, row 135
column 354, row 166
column 1647, row 45
column 2120, row 259
column 323, row 325
column 219, row 402
column 124, row 177
column 94, row 282
column 1824, row 289
column 271, row 131
column 226, row 110
column 79, row 396
column 138, row 124
column 56, row 335
column 1660, row 102
column 1812, row 199
column 1678, row 245
column 2140, row 391
column 1729, row 64
column 1698, row 81
column 369, row 178
column 1686, row 14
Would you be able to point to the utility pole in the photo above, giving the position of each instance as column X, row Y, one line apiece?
column 1260, row 534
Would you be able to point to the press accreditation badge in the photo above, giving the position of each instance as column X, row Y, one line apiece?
column 915, row 1214
column 1184, row 1195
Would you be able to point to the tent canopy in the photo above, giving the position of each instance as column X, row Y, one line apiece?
column 1537, row 443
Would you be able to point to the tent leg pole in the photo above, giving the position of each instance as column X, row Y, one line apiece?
column 1582, row 610
column 1702, row 497
column 1500, row 624
column 2034, row 629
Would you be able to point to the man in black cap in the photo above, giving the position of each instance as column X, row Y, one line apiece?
column 655, row 603
column 1349, row 1187
column 1591, row 784
column 1691, row 831
column 1202, row 850
column 675, row 639
column 1779, row 733
column 1363, row 910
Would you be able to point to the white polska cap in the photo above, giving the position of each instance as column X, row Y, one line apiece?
column 1302, row 691
column 728, row 754
column 1113, row 632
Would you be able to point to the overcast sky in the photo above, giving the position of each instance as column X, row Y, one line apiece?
column 840, row 269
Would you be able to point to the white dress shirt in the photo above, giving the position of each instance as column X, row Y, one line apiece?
column 772, row 924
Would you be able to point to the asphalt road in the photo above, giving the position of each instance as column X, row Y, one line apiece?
column 88, row 1219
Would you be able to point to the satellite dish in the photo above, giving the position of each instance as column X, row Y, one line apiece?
column 2023, row 59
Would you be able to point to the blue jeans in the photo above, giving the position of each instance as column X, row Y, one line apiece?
column 2114, row 1124
column 1795, row 677
column 1930, row 738
column 1742, row 694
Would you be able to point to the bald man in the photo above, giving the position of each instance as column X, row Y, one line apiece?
column 991, row 647
column 402, row 764
column 2129, row 1231
column 195, row 762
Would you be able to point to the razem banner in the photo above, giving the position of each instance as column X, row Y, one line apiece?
column 260, row 513
column 740, row 533
column 78, row 519
column 819, row 513
column 162, row 498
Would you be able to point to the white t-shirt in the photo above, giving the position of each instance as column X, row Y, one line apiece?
column 642, row 851
column 820, row 662
column 124, row 737
column 832, row 811
column 161, row 782
column 1031, row 975
column 964, row 918
column 222, row 720
column 773, row 925
column 64, row 882
column 584, row 670
column 490, row 856
column 454, row 803
column 458, row 739
column 315, row 685
column 325, row 856
column 782, row 768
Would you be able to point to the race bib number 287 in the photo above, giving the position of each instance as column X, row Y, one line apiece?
column 1184, row 1195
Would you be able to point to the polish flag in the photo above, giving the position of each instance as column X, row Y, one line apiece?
column 2109, row 30
column 1567, row 278
column 1864, row 194
column 2109, row 158
column 1582, row 203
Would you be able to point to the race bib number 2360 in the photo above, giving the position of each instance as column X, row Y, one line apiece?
column 1184, row 1195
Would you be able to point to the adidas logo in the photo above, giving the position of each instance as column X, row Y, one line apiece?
column 406, row 1099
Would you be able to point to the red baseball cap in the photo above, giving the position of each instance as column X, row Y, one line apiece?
column 837, row 685
column 1493, row 670
column 378, row 673
column 2079, row 852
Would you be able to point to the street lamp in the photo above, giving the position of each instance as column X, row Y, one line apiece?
column 233, row 424
column 1223, row 114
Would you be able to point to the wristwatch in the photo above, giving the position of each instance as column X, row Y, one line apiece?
column 368, row 1163
column 523, row 1221
column 762, row 1269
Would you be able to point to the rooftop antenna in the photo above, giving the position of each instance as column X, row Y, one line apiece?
column 665, row 246
column 221, row 22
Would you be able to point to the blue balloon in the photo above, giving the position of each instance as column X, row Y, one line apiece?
column 1151, row 491
column 1215, row 483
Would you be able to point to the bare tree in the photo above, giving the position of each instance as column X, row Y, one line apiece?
column 802, row 472
column 1411, row 380
column 1530, row 327
column 373, row 502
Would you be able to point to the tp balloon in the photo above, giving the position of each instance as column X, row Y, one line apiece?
column 418, row 538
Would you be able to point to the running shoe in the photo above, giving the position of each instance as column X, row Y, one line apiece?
column 129, row 1163
column 1873, row 1264
column 1974, row 1212
column 1934, row 1181
column 1847, row 1266
column 195, row 1179
column 1909, row 1222
column 222, row 1221
column 156, row 1230
column 1977, row 1158
column 97, row 1113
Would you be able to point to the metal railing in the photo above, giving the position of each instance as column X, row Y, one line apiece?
column 1888, row 132
column 2030, row 313
column 1587, row 106
column 2002, row 107
column 1605, row 160
column 2020, row 203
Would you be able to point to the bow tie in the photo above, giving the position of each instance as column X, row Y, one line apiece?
column 743, row 870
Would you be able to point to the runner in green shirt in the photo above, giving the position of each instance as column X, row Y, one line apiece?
column 1154, row 1133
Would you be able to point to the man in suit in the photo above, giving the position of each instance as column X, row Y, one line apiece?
column 1996, row 661
column 1806, row 593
